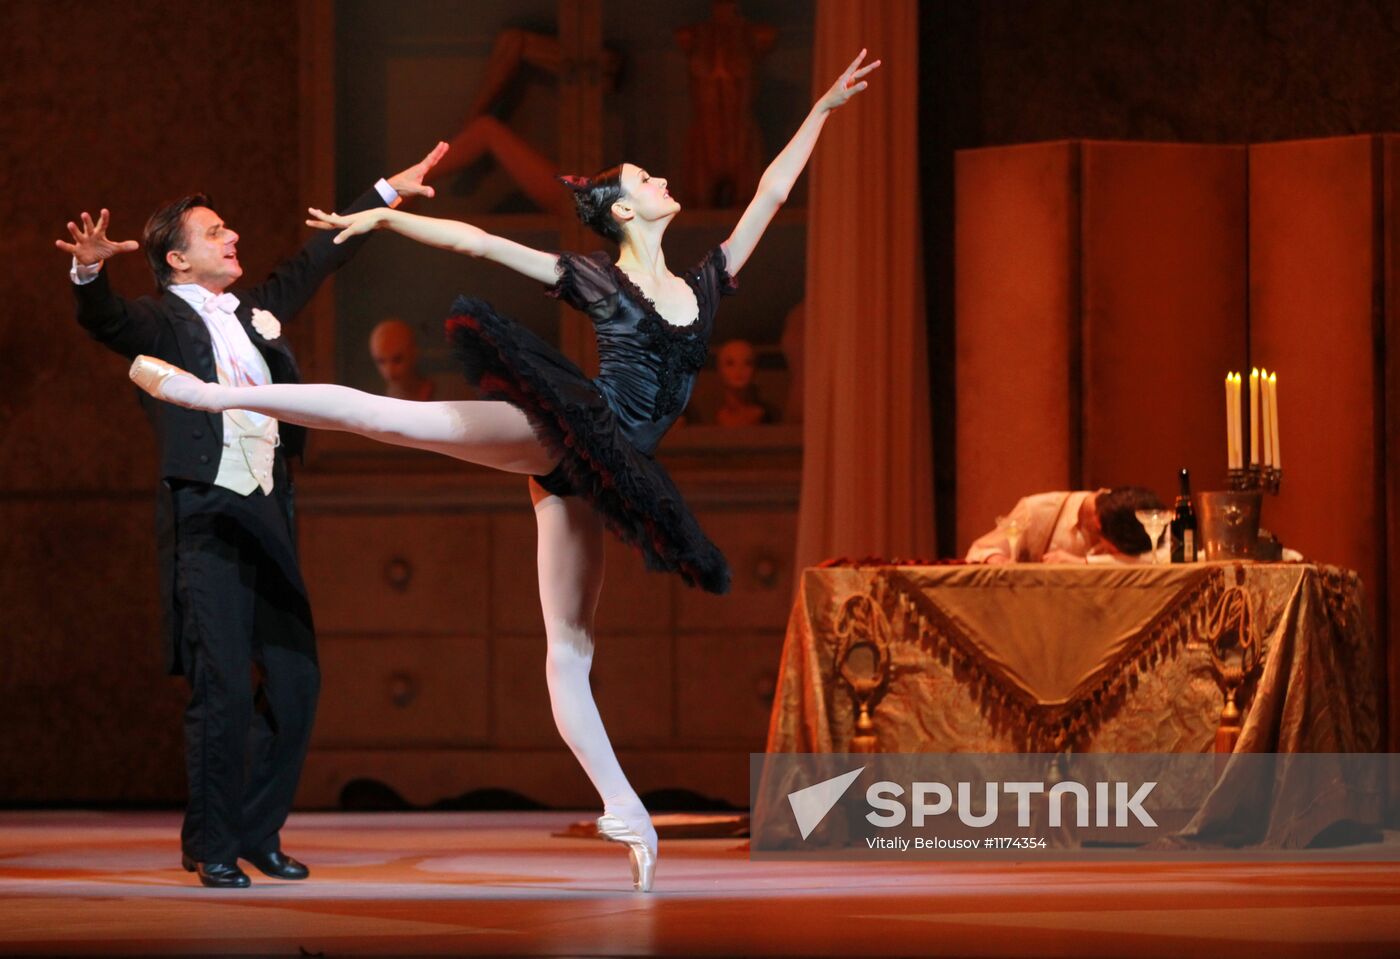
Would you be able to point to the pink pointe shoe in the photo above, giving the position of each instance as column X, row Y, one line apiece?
column 642, row 856
column 152, row 375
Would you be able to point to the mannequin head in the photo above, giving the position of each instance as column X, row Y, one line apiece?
column 394, row 350
column 736, row 361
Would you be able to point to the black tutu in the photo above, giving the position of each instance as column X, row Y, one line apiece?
column 636, row 497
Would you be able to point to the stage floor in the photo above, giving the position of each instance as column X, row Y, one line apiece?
column 103, row 883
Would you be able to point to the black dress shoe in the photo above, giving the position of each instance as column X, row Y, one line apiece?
column 217, row 875
column 278, row 865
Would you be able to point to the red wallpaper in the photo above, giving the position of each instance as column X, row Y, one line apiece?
column 120, row 105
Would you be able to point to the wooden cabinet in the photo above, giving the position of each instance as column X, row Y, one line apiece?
column 423, row 583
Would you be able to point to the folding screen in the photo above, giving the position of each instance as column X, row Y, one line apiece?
column 1322, row 267
column 1017, row 306
column 1100, row 301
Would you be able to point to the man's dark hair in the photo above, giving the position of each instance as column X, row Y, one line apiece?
column 165, row 231
column 594, row 197
column 1117, row 522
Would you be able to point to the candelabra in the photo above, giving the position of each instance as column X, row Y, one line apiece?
column 1256, row 478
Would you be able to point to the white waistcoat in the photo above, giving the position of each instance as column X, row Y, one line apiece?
column 246, row 463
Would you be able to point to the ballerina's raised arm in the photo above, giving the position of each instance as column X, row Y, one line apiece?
column 451, row 235
column 777, row 181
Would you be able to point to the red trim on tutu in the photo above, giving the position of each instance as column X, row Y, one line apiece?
column 521, row 393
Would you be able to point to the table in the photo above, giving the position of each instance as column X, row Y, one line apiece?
column 1035, row 658
column 1242, row 658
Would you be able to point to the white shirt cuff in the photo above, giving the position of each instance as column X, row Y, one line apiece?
column 84, row 273
column 386, row 192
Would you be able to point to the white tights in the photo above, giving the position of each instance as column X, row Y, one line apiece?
column 489, row 433
column 570, row 551
column 570, row 559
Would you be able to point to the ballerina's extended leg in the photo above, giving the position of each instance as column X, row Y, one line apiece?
column 571, row 576
column 480, row 431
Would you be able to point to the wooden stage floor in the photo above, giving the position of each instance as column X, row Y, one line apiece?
column 106, row 883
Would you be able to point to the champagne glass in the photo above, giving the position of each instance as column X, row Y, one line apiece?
column 1012, row 529
column 1154, row 521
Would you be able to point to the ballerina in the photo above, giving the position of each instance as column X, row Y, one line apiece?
column 586, row 444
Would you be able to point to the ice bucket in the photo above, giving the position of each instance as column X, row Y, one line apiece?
column 1229, row 522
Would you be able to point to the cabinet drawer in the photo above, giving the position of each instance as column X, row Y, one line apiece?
column 725, row 684
column 633, row 677
column 519, row 696
column 391, row 692
column 759, row 546
column 397, row 573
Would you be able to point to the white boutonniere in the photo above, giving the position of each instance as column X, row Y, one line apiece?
column 266, row 324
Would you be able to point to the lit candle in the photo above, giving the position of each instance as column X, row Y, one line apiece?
column 1273, row 418
column 1266, row 417
column 1254, row 417
column 1236, row 427
column 1239, row 420
column 1229, row 420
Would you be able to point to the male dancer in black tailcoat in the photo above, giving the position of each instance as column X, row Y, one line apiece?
column 237, row 622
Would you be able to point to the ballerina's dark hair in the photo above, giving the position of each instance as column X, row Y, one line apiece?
column 594, row 197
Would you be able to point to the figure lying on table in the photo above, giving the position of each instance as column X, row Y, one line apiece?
column 1085, row 526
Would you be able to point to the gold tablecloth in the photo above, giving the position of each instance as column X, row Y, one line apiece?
column 1031, row 658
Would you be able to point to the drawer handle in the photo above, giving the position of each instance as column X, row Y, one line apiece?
column 766, row 686
column 403, row 690
column 765, row 571
column 398, row 573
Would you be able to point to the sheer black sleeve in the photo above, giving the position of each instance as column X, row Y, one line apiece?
column 586, row 283
column 714, row 274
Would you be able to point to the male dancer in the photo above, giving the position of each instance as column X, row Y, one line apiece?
column 233, row 597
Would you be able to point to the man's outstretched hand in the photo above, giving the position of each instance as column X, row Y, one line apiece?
column 90, row 243
column 410, row 182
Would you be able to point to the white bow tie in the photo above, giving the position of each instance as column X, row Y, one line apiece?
column 224, row 303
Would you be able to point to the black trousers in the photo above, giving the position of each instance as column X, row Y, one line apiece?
column 249, row 652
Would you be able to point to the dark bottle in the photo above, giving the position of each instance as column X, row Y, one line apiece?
column 1184, row 524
